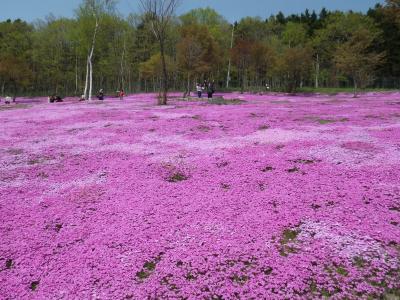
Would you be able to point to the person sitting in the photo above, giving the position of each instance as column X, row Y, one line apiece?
column 83, row 98
column 54, row 98
column 100, row 95
column 7, row 100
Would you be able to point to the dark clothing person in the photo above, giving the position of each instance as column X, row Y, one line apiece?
column 100, row 95
column 121, row 95
column 210, row 90
column 55, row 98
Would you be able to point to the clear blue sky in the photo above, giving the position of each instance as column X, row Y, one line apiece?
column 231, row 9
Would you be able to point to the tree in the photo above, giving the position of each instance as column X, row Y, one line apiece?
column 53, row 55
column 354, row 59
column 263, row 59
column 293, row 66
column 15, row 55
column 393, row 8
column 295, row 34
column 152, row 69
column 197, row 52
column 220, row 30
column 161, row 13
column 93, row 10
column 387, row 18
column 241, row 56
column 339, row 28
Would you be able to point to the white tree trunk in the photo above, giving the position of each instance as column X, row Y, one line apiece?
column 87, row 79
column 90, row 79
column 89, row 67
column 228, row 77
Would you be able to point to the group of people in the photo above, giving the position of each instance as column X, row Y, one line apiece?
column 208, row 86
column 101, row 96
column 8, row 100
column 54, row 98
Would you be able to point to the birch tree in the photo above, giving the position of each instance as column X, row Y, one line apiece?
column 93, row 9
column 161, row 13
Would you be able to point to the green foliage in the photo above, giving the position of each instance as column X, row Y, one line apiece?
column 197, row 51
column 152, row 69
column 353, row 55
column 294, row 34
column 15, row 51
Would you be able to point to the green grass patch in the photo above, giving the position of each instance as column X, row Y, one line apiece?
column 34, row 285
column 325, row 121
column 289, row 235
column 15, row 106
column 359, row 262
column 222, row 101
column 334, row 91
column 177, row 177
column 342, row 271
column 148, row 269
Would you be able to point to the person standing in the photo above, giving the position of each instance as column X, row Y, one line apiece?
column 210, row 90
column 199, row 89
column 121, row 94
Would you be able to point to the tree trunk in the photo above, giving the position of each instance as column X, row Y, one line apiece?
column 164, row 88
column 187, row 92
column 76, row 75
column 129, row 80
column 355, row 88
column 87, row 79
column 89, row 67
column 317, row 72
column 90, row 79
column 228, row 77
column 242, row 85
column 122, row 69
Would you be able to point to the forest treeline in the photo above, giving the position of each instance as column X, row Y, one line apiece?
column 313, row 49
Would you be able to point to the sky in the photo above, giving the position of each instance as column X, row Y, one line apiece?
column 232, row 10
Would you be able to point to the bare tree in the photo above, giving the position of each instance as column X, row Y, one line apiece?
column 161, row 13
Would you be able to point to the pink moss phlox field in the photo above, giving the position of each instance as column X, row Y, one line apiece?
column 270, row 197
